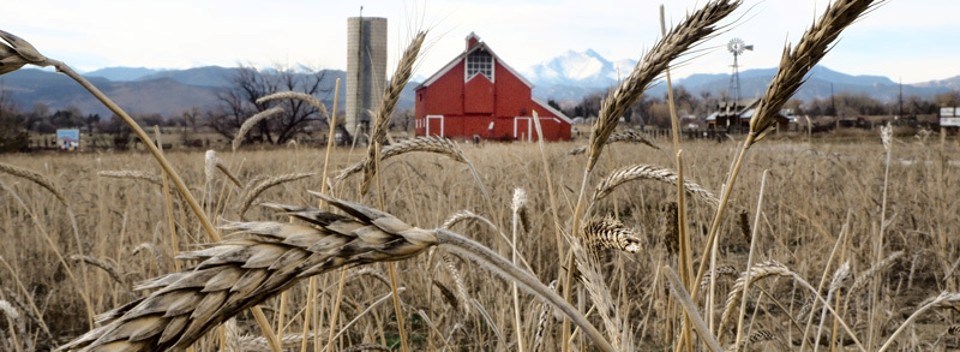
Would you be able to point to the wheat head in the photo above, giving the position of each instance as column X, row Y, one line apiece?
column 756, row 273
column 309, row 99
column 649, row 172
column 253, row 121
column 391, row 95
column 797, row 62
column 427, row 144
column 257, row 261
column 610, row 233
column 251, row 193
column 695, row 28
column 35, row 177
column 132, row 175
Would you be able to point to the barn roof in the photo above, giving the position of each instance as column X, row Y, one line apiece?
column 453, row 63
column 559, row 114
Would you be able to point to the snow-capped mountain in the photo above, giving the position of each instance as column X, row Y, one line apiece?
column 586, row 69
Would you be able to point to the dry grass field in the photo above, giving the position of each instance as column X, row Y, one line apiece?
column 821, row 211
column 756, row 244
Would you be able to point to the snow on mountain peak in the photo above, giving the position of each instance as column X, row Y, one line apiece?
column 585, row 69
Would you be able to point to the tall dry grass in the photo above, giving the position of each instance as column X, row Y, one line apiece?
column 632, row 292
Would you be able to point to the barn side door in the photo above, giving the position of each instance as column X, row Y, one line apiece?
column 523, row 129
column 434, row 125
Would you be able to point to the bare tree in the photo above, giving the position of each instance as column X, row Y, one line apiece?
column 249, row 84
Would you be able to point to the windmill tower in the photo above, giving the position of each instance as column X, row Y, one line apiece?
column 736, row 46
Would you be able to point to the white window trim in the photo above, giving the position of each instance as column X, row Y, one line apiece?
column 427, row 127
column 493, row 68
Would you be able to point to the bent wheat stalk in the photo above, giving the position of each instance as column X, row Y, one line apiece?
column 253, row 121
column 427, row 144
column 37, row 178
column 649, row 172
column 261, row 259
column 309, row 99
column 251, row 193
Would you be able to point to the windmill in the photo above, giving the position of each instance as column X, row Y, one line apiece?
column 736, row 46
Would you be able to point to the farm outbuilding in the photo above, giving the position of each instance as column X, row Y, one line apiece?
column 477, row 95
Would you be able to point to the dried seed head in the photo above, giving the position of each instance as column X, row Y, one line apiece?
column 840, row 276
column 953, row 330
column 886, row 136
column 210, row 164
column 23, row 48
column 519, row 199
column 649, row 172
column 253, row 121
column 669, row 230
column 9, row 310
column 796, row 62
column 631, row 136
column 697, row 27
column 9, row 60
column 610, row 233
column 37, row 178
column 16, row 52
column 132, row 174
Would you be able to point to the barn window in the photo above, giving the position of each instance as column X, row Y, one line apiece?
column 480, row 62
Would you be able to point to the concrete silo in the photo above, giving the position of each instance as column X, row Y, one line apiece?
column 366, row 69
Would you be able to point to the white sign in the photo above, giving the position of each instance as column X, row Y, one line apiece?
column 950, row 121
column 948, row 112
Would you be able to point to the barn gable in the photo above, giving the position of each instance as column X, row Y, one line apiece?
column 478, row 95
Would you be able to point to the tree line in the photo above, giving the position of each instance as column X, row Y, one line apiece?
column 654, row 111
column 235, row 104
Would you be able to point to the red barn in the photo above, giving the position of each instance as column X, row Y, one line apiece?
column 478, row 95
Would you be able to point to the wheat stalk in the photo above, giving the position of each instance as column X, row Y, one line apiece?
column 131, row 175
column 631, row 136
column 543, row 319
column 212, row 163
column 797, row 62
column 755, row 338
column 588, row 268
column 37, row 178
column 458, row 282
column 649, row 172
column 864, row 278
column 428, row 144
column 261, row 259
column 839, row 277
column 108, row 267
column 755, row 273
column 944, row 300
column 391, row 94
column 695, row 28
column 251, row 193
column 309, row 99
column 253, row 121
column 462, row 216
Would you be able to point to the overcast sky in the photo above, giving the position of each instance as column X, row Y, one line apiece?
column 910, row 40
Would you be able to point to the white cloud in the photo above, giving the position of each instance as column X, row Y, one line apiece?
column 179, row 33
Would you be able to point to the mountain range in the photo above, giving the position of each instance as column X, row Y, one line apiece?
column 137, row 90
column 573, row 75
column 566, row 78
